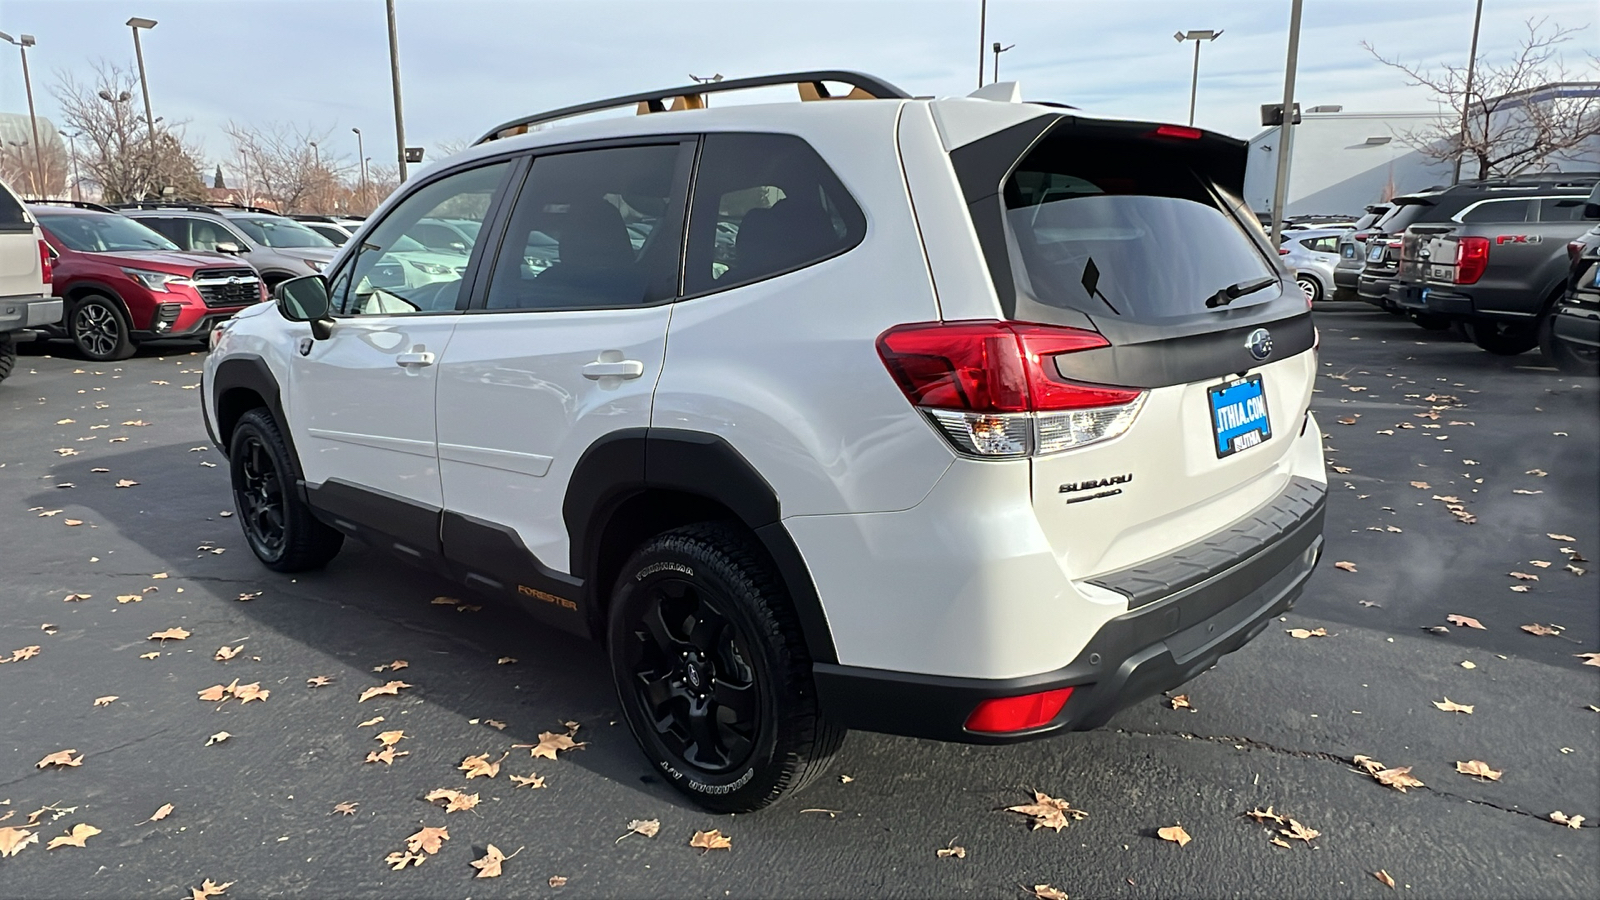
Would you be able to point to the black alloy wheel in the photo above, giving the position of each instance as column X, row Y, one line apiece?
column 712, row 671
column 99, row 329
column 1503, row 339
column 281, row 530
column 258, row 495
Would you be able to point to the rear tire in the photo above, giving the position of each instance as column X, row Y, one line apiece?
column 278, row 525
column 1502, row 339
column 1430, row 321
column 712, row 672
column 1574, row 360
column 8, row 356
column 99, row 328
column 1310, row 286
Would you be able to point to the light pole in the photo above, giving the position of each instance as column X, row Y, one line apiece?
column 997, row 51
column 983, row 23
column 361, row 157
column 23, row 42
column 394, row 76
column 1466, row 99
column 137, row 23
column 1194, row 80
column 1280, row 190
column 72, row 152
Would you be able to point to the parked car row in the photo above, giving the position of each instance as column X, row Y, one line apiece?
column 25, row 276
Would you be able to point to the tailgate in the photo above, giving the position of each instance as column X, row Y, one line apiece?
column 20, row 274
column 1428, row 254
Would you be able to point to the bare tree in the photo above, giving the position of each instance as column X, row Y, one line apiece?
column 19, row 169
column 1524, row 114
column 285, row 165
column 115, row 150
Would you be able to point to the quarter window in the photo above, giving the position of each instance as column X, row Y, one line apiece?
column 1327, row 244
column 1561, row 209
column 764, row 204
column 1498, row 212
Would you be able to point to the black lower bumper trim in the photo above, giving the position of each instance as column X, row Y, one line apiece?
column 1143, row 652
column 1583, row 330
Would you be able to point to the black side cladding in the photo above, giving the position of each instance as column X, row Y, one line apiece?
column 981, row 168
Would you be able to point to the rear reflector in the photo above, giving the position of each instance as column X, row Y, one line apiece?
column 1179, row 131
column 1008, row 714
column 993, row 389
column 1472, row 257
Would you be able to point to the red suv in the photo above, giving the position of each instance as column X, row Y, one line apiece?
column 123, row 283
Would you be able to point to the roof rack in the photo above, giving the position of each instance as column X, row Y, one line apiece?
column 78, row 204
column 192, row 205
column 693, row 96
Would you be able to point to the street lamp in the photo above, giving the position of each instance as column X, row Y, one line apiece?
column 1466, row 99
column 997, row 51
column 1197, row 37
column 394, row 77
column 72, row 152
column 137, row 23
column 23, row 42
column 361, row 156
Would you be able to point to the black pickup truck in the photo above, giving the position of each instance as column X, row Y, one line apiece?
column 1498, row 265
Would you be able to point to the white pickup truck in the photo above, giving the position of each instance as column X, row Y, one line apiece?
column 25, row 299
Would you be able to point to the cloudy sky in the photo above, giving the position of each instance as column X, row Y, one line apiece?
column 469, row 64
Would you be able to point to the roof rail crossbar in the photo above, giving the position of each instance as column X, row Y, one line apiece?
column 692, row 96
column 77, row 204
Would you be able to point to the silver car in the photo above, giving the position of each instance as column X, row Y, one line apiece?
column 1311, row 255
column 1353, row 252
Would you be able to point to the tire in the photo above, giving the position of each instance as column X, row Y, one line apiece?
column 99, row 328
column 1574, row 360
column 1429, row 321
column 695, row 605
column 277, row 524
column 1311, row 287
column 8, row 356
column 1502, row 339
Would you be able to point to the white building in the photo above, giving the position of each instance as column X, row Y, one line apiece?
column 1342, row 161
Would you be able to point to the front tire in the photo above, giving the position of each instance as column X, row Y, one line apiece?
column 278, row 525
column 1310, row 287
column 99, row 328
column 1502, row 339
column 712, row 672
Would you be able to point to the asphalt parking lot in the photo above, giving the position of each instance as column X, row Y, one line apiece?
column 1278, row 724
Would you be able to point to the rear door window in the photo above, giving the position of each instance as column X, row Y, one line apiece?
column 1561, row 209
column 1325, row 244
column 1498, row 211
column 1123, row 228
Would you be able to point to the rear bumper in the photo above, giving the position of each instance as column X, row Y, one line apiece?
column 1186, row 612
column 1577, row 325
column 1374, row 289
column 1346, row 279
column 17, row 313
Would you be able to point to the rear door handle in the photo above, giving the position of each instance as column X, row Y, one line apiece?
column 415, row 359
column 622, row 368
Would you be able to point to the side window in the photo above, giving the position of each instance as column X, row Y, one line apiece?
column 1498, row 212
column 764, row 204
column 392, row 273
column 12, row 216
column 173, row 229
column 1561, row 209
column 205, row 234
column 1327, row 244
column 593, row 228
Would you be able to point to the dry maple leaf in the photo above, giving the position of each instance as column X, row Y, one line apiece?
column 455, row 801
column 1576, row 570
column 1298, row 832
column 558, row 881
column 1560, row 537
column 1180, row 702
column 106, row 700
column 62, row 758
column 317, row 681
column 126, row 483
column 225, row 653
column 386, row 756
column 1465, row 622
column 392, row 688
column 549, row 743
column 1049, row 892
column 1303, row 633
column 1346, row 565
column 25, row 653
column 1175, row 834
column 162, row 813
column 1049, row 812
column 129, row 598
column 400, row 859
column 12, row 840
column 505, row 660
column 531, row 780
column 1543, row 630
column 1468, row 664
column 488, row 865
column 1421, row 485
column 80, row 832
column 246, row 596
column 1385, row 877
column 174, row 634
column 646, row 827
column 218, row 738
column 1451, row 706
column 151, row 655
column 72, row 523
column 347, row 808
column 1523, row 576
column 372, row 721
column 1268, row 814
column 1561, row 818
column 428, row 840
column 1589, row 659
column 1520, row 588
column 208, row 889
column 950, row 850
column 1478, row 769
column 390, row 738
column 711, row 840
column 217, row 693
column 1543, row 564
column 74, row 598
column 1398, row 778
column 475, row 766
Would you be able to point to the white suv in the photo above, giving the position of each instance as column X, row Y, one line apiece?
column 968, row 419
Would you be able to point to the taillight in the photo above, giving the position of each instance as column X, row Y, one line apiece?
column 1010, row 714
column 1394, row 245
column 1361, row 237
column 46, row 267
column 1179, row 131
column 1283, row 251
column 1472, row 257
column 1574, row 250
column 992, row 389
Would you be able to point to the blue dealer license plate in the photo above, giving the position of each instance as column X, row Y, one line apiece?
column 1238, row 415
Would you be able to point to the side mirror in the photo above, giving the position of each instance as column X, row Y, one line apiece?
column 228, row 247
column 305, row 299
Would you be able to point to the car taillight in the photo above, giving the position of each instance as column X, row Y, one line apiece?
column 1574, row 250
column 1283, row 251
column 1472, row 257
column 46, row 267
column 1361, row 237
column 992, row 389
column 1008, row 714
column 1179, row 131
column 1394, row 245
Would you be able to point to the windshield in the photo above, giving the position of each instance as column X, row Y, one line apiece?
column 1114, row 228
column 102, row 232
column 273, row 231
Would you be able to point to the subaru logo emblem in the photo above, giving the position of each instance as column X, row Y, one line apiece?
column 233, row 279
column 1259, row 343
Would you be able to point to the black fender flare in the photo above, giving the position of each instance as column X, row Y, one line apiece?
column 251, row 373
column 631, row 461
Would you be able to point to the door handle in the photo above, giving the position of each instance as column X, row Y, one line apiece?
column 622, row 368
column 416, row 358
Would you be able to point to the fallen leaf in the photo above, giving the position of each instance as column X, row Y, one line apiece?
column 1576, row 570
column 1561, row 818
column 106, row 700
column 208, row 890
column 218, row 693
column 711, row 840
column 1342, row 470
column 1047, row 892
column 1398, row 778
column 61, row 758
column 428, row 840
column 1388, row 881
column 1523, row 576
column 74, row 598
column 218, row 738
column 1346, row 421
column 390, row 738
column 159, row 575
column 480, row 765
column 550, row 743
column 80, row 832
column 246, row 596
column 72, row 523
column 1303, row 633
column 1537, row 473
column 1048, row 812
column 150, row 655
column 392, row 688
column 646, row 827
column 317, row 681
column 137, row 423
column 400, row 859
column 1560, row 537
column 950, row 850
column 387, row 755
column 1298, row 832
column 1589, row 659
column 454, row 801
column 558, row 881
column 1521, row 491
column 530, row 780
column 1345, row 565
column 1421, row 485
column 1268, row 814
column 1180, row 702
column 505, row 660
column 129, row 598
column 126, row 483
column 1465, row 622
column 12, row 840
column 1478, row 769
column 162, row 813
column 1468, row 664
column 372, row 721
column 1520, row 588
column 1451, row 706
column 346, row 808
column 23, row 653
column 174, row 634
column 1543, row 630
column 488, row 865
column 1175, row 834
column 225, row 653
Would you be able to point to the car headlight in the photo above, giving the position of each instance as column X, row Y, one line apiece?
column 155, row 281
column 432, row 268
column 313, row 265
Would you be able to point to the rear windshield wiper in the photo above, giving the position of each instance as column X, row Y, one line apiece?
column 1234, row 291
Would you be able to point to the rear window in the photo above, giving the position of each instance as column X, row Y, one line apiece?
column 12, row 216
column 1397, row 219
column 1124, row 228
